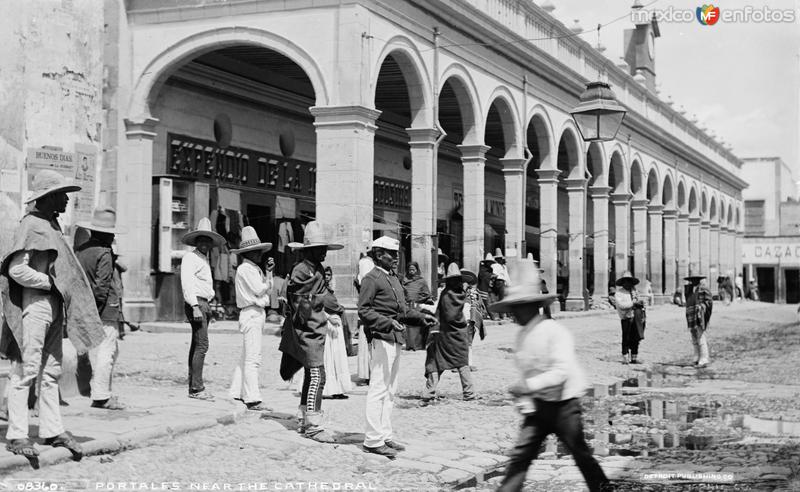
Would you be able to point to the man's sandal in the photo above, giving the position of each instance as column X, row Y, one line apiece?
column 66, row 440
column 24, row 447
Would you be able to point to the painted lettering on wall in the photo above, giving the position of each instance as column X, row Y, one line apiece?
column 491, row 206
column 771, row 253
column 392, row 193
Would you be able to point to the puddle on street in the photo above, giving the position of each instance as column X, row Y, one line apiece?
column 636, row 423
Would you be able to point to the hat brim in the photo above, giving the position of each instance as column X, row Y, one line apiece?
column 108, row 230
column 65, row 189
column 256, row 247
column 623, row 279
column 190, row 238
column 442, row 255
column 330, row 246
column 506, row 304
column 692, row 278
column 468, row 276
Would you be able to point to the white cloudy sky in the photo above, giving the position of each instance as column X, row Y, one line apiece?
column 742, row 80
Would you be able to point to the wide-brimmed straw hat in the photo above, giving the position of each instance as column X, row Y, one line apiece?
column 526, row 288
column 103, row 220
column 694, row 278
column 530, row 258
column 251, row 242
column 627, row 276
column 315, row 237
column 443, row 258
column 48, row 181
column 203, row 230
column 469, row 276
column 489, row 258
column 498, row 253
column 452, row 272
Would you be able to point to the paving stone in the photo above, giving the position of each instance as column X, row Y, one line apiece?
column 451, row 475
column 480, row 454
column 461, row 465
column 416, row 465
column 480, row 461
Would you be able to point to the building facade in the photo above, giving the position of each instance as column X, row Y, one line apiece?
column 771, row 248
column 440, row 122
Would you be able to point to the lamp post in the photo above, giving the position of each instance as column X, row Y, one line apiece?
column 598, row 115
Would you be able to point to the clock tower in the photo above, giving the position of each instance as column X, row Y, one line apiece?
column 640, row 46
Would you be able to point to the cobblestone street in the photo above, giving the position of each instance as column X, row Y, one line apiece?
column 737, row 419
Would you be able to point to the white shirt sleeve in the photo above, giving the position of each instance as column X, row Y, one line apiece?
column 22, row 273
column 561, row 350
column 188, row 278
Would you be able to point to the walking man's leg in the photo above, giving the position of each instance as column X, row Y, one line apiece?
column 569, row 428
column 533, row 432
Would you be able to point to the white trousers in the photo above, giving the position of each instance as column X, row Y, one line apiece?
column 245, row 375
column 36, row 320
column 103, row 359
column 384, row 369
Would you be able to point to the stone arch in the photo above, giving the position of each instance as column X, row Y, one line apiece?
column 617, row 168
column 653, row 187
column 694, row 204
column 713, row 216
column 467, row 95
column 574, row 148
column 416, row 77
column 682, row 199
column 637, row 178
column 506, row 106
column 160, row 68
column 723, row 212
column 704, row 203
column 668, row 193
column 539, row 122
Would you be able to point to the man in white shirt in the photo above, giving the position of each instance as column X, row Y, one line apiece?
column 551, row 385
column 198, row 289
column 252, row 297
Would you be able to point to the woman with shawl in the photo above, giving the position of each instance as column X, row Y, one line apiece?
column 417, row 292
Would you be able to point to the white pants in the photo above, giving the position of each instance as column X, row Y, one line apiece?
column 245, row 375
column 103, row 358
column 384, row 369
column 36, row 320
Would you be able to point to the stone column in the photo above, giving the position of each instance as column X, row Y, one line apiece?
column 713, row 261
column 670, row 251
column 655, row 214
column 422, row 142
column 639, row 211
column 473, row 158
column 737, row 255
column 548, row 211
column 576, row 190
column 724, row 251
column 344, row 192
column 620, row 202
column 599, row 196
column 683, row 247
column 514, row 173
column 135, row 212
column 694, row 246
column 705, row 254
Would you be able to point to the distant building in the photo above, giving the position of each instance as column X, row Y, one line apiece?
column 771, row 248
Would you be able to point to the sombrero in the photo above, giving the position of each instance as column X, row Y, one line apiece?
column 526, row 288
column 251, row 242
column 489, row 258
column 627, row 276
column 441, row 255
column 203, row 229
column 530, row 258
column 48, row 181
column 498, row 253
column 315, row 237
column 469, row 276
column 103, row 220
column 694, row 278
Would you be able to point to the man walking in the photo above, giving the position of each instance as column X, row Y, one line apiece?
column 382, row 308
column 303, row 337
column 43, row 291
column 198, row 290
column 252, row 298
column 98, row 263
column 551, row 385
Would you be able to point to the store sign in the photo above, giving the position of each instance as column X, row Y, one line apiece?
column 771, row 253
column 205, row 160
column 491, row 206
column 392, row 193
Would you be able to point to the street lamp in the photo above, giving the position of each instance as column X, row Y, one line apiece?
column 598, row 115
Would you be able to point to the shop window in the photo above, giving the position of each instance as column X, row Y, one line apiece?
column 223, row 130
column 286, row 142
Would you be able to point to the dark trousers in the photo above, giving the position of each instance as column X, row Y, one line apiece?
column 313, row 383
column 564, row 419
column 199, row 345
column 630, row 337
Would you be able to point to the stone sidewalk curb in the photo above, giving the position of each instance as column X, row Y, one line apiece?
column 129, row 440
column 227, row 327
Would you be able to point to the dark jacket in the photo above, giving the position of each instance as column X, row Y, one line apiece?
column 97, row 261
column 450, row 350
column 382, row 300
column 303, row 336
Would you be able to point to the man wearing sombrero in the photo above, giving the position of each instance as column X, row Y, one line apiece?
column 303, row 337
column 252, row 297
column 44, row 291
column 699, row 304
column 197, row 284
column 626, row 300
column 97, row 260
column 548, row 393
column 449, row 348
